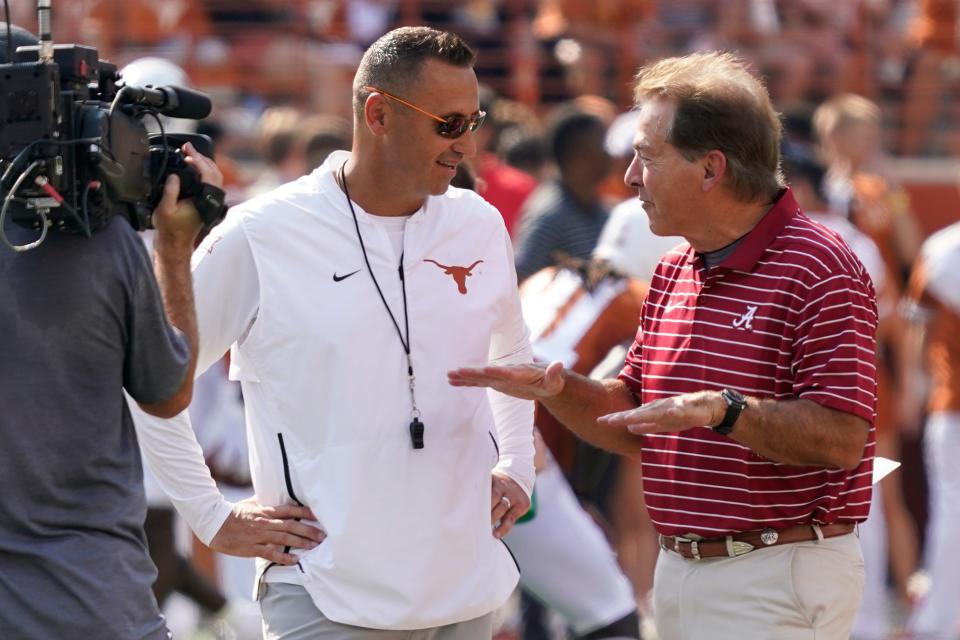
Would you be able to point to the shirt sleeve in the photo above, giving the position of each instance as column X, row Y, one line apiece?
column 226, row 294
column 632, row 372
column 834, row 353
column 510, row 344
column 157, row 353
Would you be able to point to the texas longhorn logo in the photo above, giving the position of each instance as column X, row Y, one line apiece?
column 459, row 274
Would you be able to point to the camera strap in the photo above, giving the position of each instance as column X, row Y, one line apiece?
column 416, row 426
column 209, row 201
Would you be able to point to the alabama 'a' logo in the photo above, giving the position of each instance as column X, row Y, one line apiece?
column 459, row 274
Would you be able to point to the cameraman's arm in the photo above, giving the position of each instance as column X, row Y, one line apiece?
column 177, row 225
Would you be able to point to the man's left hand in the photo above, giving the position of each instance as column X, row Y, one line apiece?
column 678, row 413
column 508, row 501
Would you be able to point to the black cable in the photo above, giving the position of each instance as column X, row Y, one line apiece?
column 403, row 284
column 416, row 426
column 6, row 13
column 60, row 143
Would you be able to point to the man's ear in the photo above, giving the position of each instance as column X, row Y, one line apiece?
column 714, row 167
column 375, row 114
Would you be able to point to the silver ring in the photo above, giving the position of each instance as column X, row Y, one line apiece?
column 507, row 500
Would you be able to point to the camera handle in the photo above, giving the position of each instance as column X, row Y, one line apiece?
column 209, row 201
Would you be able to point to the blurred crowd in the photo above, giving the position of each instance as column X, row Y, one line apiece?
column 858, row 81
column 252, row 53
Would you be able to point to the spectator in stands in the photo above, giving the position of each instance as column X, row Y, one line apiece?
column 322, row 135
column 566, row 215
column 932, row 38
column 176, row 25
column 592, row 41
column 281, row 147
column 503, row 186
column 848, row 128
column 526, row 151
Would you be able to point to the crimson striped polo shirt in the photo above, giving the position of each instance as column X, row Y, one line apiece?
column 791, row 313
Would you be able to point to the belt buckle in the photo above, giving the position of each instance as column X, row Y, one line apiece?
column 769, row 536
column 694, row 546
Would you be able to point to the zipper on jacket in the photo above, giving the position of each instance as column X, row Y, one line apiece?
column 496, row 447
column 293, row 496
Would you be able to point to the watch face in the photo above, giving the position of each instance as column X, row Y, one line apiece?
column 736, row 403
column 735, row 396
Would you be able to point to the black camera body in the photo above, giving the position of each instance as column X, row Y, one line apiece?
column 75, row 150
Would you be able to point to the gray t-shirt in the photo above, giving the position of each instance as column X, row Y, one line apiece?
column 80, row 320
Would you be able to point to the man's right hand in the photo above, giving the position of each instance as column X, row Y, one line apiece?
column 525, row 381
column 255, row 530
column 177, row 221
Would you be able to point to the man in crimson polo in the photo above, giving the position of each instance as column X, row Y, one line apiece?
column 749, row 393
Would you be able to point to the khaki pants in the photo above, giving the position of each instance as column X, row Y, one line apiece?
column 800, row 591
column 290, row 614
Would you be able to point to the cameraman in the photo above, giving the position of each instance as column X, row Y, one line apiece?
column 83, row 319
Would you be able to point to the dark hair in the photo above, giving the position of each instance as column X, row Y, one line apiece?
column 323, row 134
column 394, row 61
column 19, row 37
column 522, row 149
column 721, row 106
column 567, row 130
column 800, row 164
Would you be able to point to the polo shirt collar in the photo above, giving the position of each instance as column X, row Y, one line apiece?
column 759, row 238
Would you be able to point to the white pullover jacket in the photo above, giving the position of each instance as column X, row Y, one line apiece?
column 409, row 541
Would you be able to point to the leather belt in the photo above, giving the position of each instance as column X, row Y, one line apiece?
column 740, row 543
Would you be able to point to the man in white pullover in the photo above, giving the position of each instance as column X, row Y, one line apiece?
column 345, row 297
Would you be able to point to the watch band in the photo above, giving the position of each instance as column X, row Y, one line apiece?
column 736, row 403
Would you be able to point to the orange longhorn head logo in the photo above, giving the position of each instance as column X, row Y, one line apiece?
column 459, row 274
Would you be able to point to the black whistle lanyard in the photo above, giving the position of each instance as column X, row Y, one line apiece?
column 416, row 427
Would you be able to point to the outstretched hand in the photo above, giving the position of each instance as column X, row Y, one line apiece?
column 525, row 381
column 677, row 413
column 255, row 530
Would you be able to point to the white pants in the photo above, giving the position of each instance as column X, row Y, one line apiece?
column 800, row 591
column 290, row 614
column 938, row 615
column 873, row 619
column 565, row 559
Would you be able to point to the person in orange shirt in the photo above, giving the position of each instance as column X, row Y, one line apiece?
column 848, row 128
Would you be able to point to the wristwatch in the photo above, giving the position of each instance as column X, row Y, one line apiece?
column 735, row 404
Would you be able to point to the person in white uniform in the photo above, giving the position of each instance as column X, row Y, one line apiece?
column 345, row 297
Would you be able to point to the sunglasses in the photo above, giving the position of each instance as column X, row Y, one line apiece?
column 451, row 127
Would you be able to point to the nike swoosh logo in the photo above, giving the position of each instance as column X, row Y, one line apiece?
column 673, row 307
column 337, row 278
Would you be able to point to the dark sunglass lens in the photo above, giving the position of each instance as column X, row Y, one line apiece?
column 454, row 127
